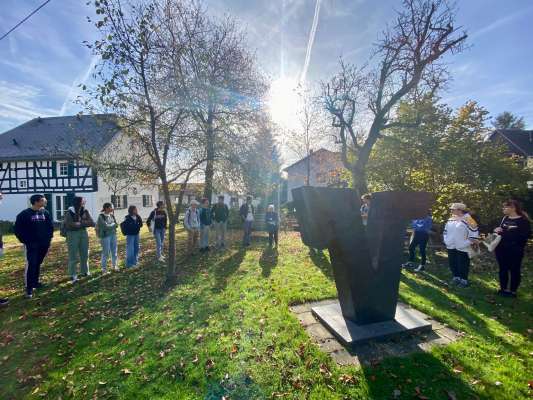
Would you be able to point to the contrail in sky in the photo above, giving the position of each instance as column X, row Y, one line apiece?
column 311, row 41
column 74, row 89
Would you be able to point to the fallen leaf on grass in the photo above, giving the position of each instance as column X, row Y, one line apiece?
column 458, row 369
column 348, row 379
column 324, row 370
column 498, row 383
column 195, row 360
column 126, row 371
column 102, row 383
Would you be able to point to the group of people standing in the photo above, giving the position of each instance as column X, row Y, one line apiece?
column 201, row 218
column 34, row 229
column 462, row 240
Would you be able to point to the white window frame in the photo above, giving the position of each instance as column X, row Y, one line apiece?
column 23, row 183
column 60, row 167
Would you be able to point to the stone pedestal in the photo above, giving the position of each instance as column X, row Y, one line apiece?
column 350, row 334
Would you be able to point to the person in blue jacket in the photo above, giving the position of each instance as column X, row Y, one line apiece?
column 421, row 228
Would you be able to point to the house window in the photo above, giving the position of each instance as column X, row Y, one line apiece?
column 147, row 200
column 63, row 169
column 60, row 207
column 23, row 184
column 119, row 202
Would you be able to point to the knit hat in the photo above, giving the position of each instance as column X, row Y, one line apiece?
column 458, row 206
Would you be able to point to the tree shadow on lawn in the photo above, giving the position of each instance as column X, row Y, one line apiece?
column 441, row 301
column 419, row 376
column 318, row 257
column 481, row 295
column 268, row 260
column 61, row 322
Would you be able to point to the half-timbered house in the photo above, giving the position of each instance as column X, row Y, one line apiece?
column 44, row 156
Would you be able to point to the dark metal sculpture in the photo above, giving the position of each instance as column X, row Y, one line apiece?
column 365, row 260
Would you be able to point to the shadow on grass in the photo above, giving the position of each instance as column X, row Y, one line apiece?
column 322, row 262
column 426, row 374
column 268, row 260
column 226, row 268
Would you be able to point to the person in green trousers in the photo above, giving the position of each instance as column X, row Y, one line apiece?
column 76, row 221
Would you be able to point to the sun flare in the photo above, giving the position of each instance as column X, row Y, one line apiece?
column 283, row 100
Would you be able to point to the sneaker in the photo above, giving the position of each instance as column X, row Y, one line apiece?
column 161, row 259
column 504, row 293
column 28, row 294
column 116, row 268
column 455, row 280
column 408, row 265
column 4, row 302
column 73, row 279
column 420, row 268
column 463, row 283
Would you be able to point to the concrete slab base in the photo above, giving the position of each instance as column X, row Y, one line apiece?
column 350, row 333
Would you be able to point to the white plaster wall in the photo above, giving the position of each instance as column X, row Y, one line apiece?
column 12, row 204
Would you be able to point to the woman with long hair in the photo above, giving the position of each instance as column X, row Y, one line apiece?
column 514, row 230
column 106, row 230
column 76, row 221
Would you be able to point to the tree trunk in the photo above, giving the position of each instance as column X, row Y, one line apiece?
column 210, row 154
column 173, row 215
column 358, row 170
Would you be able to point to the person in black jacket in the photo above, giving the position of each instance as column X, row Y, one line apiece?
column 220, row 213
column 247, row 215
column 130, row 227
column 272, row 225
column 3, row 301
column 159, row 219
column 34, row 228
column 514, row 230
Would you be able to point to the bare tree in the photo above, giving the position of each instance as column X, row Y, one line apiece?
column 141, row 49
column 408, row 62
column 311, row 130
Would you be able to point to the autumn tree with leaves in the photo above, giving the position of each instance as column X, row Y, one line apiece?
column 140, row 79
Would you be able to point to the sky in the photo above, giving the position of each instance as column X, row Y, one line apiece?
column 43, row 61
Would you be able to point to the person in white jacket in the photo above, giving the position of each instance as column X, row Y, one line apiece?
column 460, row 233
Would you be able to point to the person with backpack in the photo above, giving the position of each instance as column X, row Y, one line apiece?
column 247, row 213
column 157, row 224
column 272, row 225
column 205, row 225
column 75, row 223
column 106, row 230
column 220, row 213
column 460, row 234
column 421, row 228
column 34, row 229
column 130, row 227
column 514, row 231
column 191, row 221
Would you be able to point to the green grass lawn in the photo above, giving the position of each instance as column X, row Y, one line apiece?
column 226, row 332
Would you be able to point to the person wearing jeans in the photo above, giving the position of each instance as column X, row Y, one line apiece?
column 157, row 223
column 106, row 230
column 76, row 221
column 191, row 221
column 205, row 225
column 246, row 213
column 272, row 225
column 220, row 213
column 3, row 301
column 460, row 233
column 514, row 230
column 421, row 228
column 130, row 227
column 34, row 229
